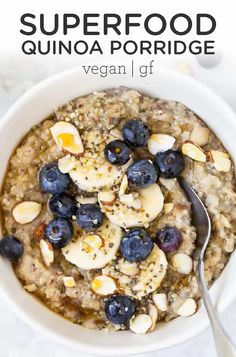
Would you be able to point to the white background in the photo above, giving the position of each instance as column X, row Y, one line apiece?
column 18, row 73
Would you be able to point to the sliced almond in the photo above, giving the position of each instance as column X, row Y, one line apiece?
column 200, row 136
column 116, row 133
column 66, row 163
column 90, row 323
column 47, row 252
column 30, row 287
column 160, row 142
column 194, row 151
column 130, row 201
column 140, row 323
column 103, row 285
column 67, row 137
column 188, row 308
column 229, row 244
column 153, row 313
column 107, row 198
column 220, row 160
column 26, row 211
column 123, row 185
column 182, row 263
column 69, row 281
column 128, row 268
column 92, row 242
column 224, row 220
column 85, row 200
column 168, row 207
column 169, row 184
column 160, row 301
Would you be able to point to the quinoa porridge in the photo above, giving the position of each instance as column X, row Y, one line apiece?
column 94, row 221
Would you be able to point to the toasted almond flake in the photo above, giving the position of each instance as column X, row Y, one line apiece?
column 127, row 268
column 153, row 313
column 30, row 287
column 123, row 185
column 67, row 137
column 224, row 221
column 182, row 263
column 66, row 163
column 26, row 211
column 160, row 301
column 140, row 323
column 85, row 200
column 193, row 151
column 229, row 245
column 160, row 142
column 130, row 201
column 90, row 323
column 188, row 308
column 200, row 136
column 103, row 285
column 168, row 207
column 107, row 198
column 116, row 133
column 92, row 242
column 220, row 160
column 47, row 252
column 69, row 281
column 170, row 184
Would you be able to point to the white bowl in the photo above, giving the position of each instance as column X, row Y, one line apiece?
column 34, row 106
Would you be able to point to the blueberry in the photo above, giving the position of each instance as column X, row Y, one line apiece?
column 52, row 180
column 59, row 232
column 63, row 205
column 117, row 152
column 168, row 239
column 169, row 163
column 89, row 217
column 142, row 173
column 136, row 245
column 11, row 248
column 135, row 133
column 119, row 309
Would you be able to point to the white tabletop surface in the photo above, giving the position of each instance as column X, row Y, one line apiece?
column 18, row 340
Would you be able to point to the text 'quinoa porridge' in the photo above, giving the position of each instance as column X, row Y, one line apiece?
column 94, row 220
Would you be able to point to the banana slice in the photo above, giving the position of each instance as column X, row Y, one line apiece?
column 92, row 172
column 152, row 272
column 119, row 213
column 94, row 251
column 67, row 137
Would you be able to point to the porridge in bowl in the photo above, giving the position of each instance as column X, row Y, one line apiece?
column 94, row 220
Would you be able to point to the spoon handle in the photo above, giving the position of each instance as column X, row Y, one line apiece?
column 224, row 345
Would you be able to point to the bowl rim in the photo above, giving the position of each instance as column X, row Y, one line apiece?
column 32, row 321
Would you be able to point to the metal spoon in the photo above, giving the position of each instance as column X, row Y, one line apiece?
column 202, row 223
